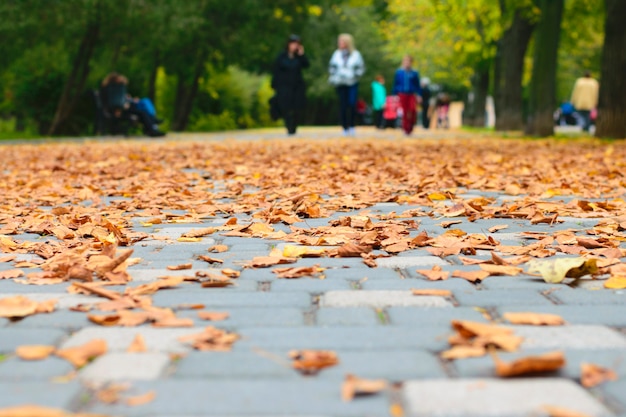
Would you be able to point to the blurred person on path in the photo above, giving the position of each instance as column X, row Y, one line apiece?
column 585, row 98
column 346, row 67
column 426, row 95
column 288, row 83
column 406, row 85
column 379, row 95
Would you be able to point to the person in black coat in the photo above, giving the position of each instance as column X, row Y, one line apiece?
column 288, row 83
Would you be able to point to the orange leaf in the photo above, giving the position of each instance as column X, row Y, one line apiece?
column 212, row 315
column 179, row 267
column 472, row 276
column 312, row 361
column 548, row 362
column 431, row 291
column 140, row 399
column 592, row 375
column 535, row 319
column 80, row 355
column 501, row 269
column 353, row 386
column 32, row 411
column 434, row 274
column 137, row 345
column 267, row 261
column 17, row 306
column 218, row 248
column 615, row 283
column 462, row 352
column 11, row 273
column 496, row 228
column 562, row 412
column 34, row 352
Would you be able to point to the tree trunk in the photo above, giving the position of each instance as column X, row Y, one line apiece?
column 612, row 107
column 475, row 114
column 186, row 94
column 153, row 77
column 509, row 70
column 76, row 80
column 543, row 82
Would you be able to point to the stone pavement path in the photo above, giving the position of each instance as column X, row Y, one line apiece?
column 366, row 315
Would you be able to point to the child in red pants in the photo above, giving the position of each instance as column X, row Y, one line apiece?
column 406, row 85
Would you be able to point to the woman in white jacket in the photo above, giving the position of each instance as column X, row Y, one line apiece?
column 346, row 68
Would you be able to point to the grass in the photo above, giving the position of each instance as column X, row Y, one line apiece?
column 3, row 357
column 18, row 135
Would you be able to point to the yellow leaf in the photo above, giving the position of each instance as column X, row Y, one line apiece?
column 616, row 283
column 555, row 271
column 292, row 251
column 189, row 239
column 436, row 197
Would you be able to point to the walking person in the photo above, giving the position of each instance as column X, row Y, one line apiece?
column 346, row 68
column 379, row 95
column 406, row 86
column 426, row 95
column 585, row 98
column 288, row 83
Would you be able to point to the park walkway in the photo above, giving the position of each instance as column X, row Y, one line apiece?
column 360, row 308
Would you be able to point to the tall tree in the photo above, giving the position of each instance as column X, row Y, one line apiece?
column 509, row 67
column 612, row 108
column 542, row 99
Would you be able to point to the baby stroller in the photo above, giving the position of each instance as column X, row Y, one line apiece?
column 391, row 113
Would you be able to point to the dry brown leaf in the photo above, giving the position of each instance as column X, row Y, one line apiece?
column 180, row 267
column 351, row 250
column 434, row 274
column 353, row 386
column 534, row 319
column 34, row 352
column 218, row 248
column 463, row 352
column 299, row 272
column 497, row 228
column 138, row 345
column 7, row 258
column 230, row 273
column 211, row 339
column 310, row 362
column 267, row 261
column 140, row 399
column 11, row 273
column 501, row 269
column 210, row 260
column 471, row 276
column 431, row 291
column 529, row 365
column 554, row 411
column 592, row 375
column 173, row 322
column 17, row 306
column 196, row 233
column 213, row 315
column 80, row 355
column 32, row 411
column 104, row 319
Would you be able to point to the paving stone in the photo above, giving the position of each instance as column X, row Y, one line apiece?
column 64, row 300
column 8, row 286
column 377, row 338
column 520, row 282
column 259, row 397
column 17, row 370
column 212, row 299
column 122, row 366
column 310, row 285
column 349, row 316
column 570, row 337
column 119, row 338
column 494, row 397
column 380, row 299
column 41, row 393
column 410, row 261
column 416, row 316
column 359, row 273
column 10, row 338
column 615, row 391
column 592, row 297
column 608, row 315
column 248, row 317
column 234, row 365
column 486, row 298
column 63, row 319
column 410, row 283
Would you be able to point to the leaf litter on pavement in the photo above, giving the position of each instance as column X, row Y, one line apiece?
column 88, row 207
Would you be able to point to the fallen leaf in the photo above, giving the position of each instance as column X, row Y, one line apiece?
column 562, row 412
column 497, row 228
column 211, row 339
column 267, row 261
column 218, row 248
column 592, row 375
column 292, row 251
column 309, row 362
column 351, row 250
column 189, row 239
column 353, row 386
column 212, row 315
column 431, row 291
column 463, row 352
column 112, row 393
column 11, row 273
column 140, row 399
column 556, row 270
column 617, row 282
column 210, row 259
column 17, row 306
column 197, row 233
column 528, row 365
column 173, row 322
column 534, row 319
column 80, row 355
column 299, row 272
column 179, row 267
column 501, row 269
column 434, row 274
column 471, row 276
column 138, row 344
column 34, row 352
column 231, row 273
column 32, row 411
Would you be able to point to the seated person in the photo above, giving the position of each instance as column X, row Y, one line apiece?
column 119, row 103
